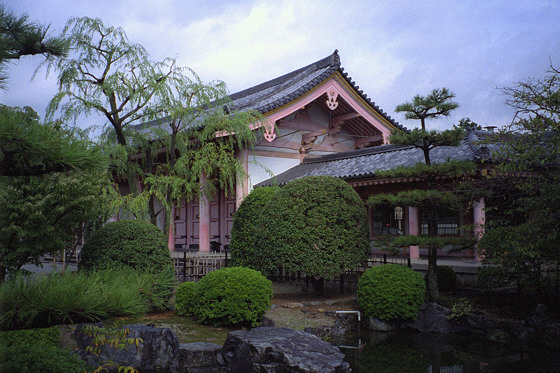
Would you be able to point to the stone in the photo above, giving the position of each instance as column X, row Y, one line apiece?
column 154, row 353
column 345, row 323
column 375, row 324
column 198, row 357
column 323, row 332
column 293, row 305
column 267, row 349
column 540, row 316
column 432, row 318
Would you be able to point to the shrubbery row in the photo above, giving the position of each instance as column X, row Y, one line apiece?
column 38, row 301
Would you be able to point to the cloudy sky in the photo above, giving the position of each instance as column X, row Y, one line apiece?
column 392, row 49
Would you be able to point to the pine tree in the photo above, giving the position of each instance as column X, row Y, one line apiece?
column 21, row 37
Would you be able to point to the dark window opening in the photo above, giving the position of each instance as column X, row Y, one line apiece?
column 447, row 223
column 385, row 222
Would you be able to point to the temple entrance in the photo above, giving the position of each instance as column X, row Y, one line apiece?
column 187, row 222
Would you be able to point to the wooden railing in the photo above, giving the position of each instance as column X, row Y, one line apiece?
column 192, row 266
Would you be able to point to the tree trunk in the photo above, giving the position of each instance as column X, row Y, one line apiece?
column 151, row 202
column 431, row 284
column 426, row 152
column 3, row 273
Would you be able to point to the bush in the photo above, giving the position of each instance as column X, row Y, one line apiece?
column 39, row 358
column 446, row 278
column 244, row 231
column 185, row 298
column 391, row 292
column 317, row 225
column 131, row 243
column 38, row 301
column 232, row 296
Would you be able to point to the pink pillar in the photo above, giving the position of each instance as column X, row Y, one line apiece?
column 242, row 184
column 413, row 230
column 479, row 221
column 171, row 241
column 204, row 218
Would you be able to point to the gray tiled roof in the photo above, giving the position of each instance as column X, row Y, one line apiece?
column 274, row 93
column 363, row 163
column 271, row 95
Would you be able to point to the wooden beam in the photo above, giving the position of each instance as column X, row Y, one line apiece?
column 342, row 118
column 362, row 142
column 301, row 126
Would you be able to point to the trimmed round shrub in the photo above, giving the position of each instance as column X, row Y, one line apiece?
column 391, row 292
column 232, row 296
column 244, row 231
column 185, row 298
column 317, row 225
column 132, row 243
column 446, row 278
column 135, row 244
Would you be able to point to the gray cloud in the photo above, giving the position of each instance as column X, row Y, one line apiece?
column 392, row 49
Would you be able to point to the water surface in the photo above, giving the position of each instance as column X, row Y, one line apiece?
column 407, row 352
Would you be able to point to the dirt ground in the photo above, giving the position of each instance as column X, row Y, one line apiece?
column 296, row 309
column 291, row 308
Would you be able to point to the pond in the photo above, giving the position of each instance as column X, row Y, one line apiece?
column 408, row 352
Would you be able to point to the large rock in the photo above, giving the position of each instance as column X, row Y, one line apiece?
column 282, row 350
column 198, row 357
column 345, row 323
column 432, row 318
column 154, row 353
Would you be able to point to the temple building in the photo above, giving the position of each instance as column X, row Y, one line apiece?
column 318, row 122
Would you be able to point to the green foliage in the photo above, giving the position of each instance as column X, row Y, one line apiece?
column 232, row 296
column 39, row 358
column 447, row 279
column 131, row 243
column 437, row 103
column 513, row 255
column 466, row 124
column 190, row 119
column 117, row 339
column 31, row 148
column 39, row 301
column 244, row 231
column 391, row 292
column 57, row 182
column 416, row 198
column 20, row 37
column 460, row 309
column 43, row 336
column 186, row 298
column 427, row 140
column 317, row 225
column 517, row 251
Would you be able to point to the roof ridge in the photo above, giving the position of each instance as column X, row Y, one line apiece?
column 332, row 60
column 357, row 153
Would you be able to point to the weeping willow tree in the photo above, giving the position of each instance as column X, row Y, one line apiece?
column 165, row 126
